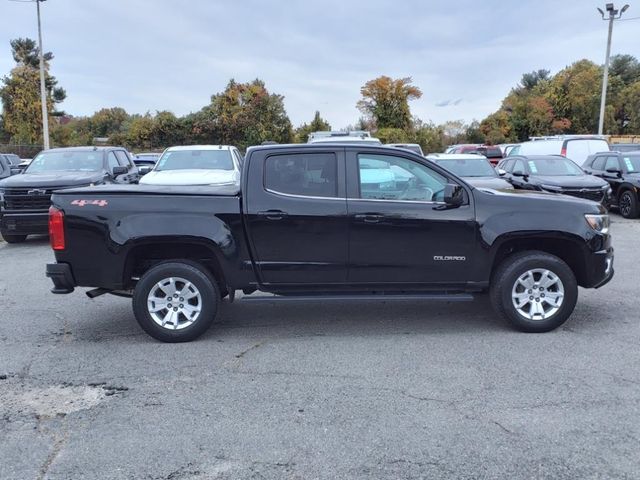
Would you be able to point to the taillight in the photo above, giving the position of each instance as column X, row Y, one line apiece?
column 56, row 228
column 563, row 151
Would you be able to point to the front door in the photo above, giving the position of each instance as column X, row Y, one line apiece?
column 297, row 217
column 399, row 228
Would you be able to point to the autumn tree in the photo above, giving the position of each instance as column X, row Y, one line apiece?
column 20, row 93
column 318, row 124
column 386, row 101
column 243, row 114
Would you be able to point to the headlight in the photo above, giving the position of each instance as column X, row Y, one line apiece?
column 551, row 188
column 600, row 223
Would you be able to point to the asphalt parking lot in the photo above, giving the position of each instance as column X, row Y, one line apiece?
column 312, row 390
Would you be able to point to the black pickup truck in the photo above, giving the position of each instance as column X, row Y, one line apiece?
column 25, row 198
column 328, row 221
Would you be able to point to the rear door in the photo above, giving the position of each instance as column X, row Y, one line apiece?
column 400, row 233
column 296, row 216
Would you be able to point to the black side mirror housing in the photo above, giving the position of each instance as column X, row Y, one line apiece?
column 453, row 195
column 119, row 171
column 614, row 170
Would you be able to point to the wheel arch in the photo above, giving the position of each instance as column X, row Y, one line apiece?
column 568, row 247
column 150, row 252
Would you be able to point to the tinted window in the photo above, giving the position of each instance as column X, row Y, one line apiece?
column 598, row 163
column 385, row 177
column 310, row 175
column 612, row 162
column 514, row 151
column 112, row 161
column 519, row 166
column 122, row 158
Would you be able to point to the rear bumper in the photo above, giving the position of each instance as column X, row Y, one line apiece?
column 24, row 223
column 62, row 277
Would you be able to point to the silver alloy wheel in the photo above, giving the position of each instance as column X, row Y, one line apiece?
column 174, row 303
column 537, row 294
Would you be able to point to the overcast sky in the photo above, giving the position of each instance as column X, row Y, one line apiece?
column 465, row 55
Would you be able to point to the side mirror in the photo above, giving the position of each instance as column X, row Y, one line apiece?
column 119, row 171
column 144, row 170
column 501, row 172
column 519, row 173
column 614, row 170
column 453, row 195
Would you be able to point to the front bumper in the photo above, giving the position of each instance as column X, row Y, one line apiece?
column 62, row 277
column 24, row 223
column 601, row 268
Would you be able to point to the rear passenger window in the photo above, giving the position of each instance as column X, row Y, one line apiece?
column 309, row 175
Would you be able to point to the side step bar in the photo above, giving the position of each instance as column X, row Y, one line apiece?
column 447, row 297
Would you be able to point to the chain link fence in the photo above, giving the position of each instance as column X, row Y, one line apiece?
column 23, row 151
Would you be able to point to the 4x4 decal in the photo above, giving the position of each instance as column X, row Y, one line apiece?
column 82, row 203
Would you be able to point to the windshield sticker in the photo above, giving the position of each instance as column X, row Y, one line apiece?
column 627, row 162
column 532, row 167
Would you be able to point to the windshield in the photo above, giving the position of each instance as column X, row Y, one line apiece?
column 554, row 166
column 479, row 167
column 632, row 162
column 195, row 160
column 71, row 161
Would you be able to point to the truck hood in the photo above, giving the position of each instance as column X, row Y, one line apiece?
column 489, row 182
column 52, row 179
column 191, row 177
column 539, row 199
column 571, row 181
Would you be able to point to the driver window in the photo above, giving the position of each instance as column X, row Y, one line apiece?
column 112, row 160
column 518, row 166
column 612, row 162
column 386, row 177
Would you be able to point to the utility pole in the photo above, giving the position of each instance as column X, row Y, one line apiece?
column 613, row 15
column 43, row 91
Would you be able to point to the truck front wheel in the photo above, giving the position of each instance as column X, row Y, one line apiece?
column 534, row 291
column 175, row 301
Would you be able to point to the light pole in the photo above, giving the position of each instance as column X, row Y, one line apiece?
column 613, row 15
column 43, row 91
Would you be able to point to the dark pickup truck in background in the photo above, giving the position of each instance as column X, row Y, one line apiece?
column 328, row 221
column 25, row 198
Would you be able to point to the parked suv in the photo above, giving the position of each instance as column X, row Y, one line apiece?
column 8, row 166
column 554, row 174
column 574, row 147
column 25, row 198
column 622, row 171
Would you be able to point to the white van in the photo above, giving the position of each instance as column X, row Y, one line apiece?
column 574, row 147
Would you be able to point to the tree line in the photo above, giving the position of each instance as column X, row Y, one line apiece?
column 245, row 114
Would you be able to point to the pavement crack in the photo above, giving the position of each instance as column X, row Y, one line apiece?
column 501, row 426
column 57, row 448
column 252, row 347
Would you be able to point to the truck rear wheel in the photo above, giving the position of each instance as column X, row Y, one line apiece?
column 534, row 291
column 14, row 238
column 176, row 301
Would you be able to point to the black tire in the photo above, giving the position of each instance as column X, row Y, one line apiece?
column 208, row 301
column 504, row 281
column 14, row 238
column 628, row 204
